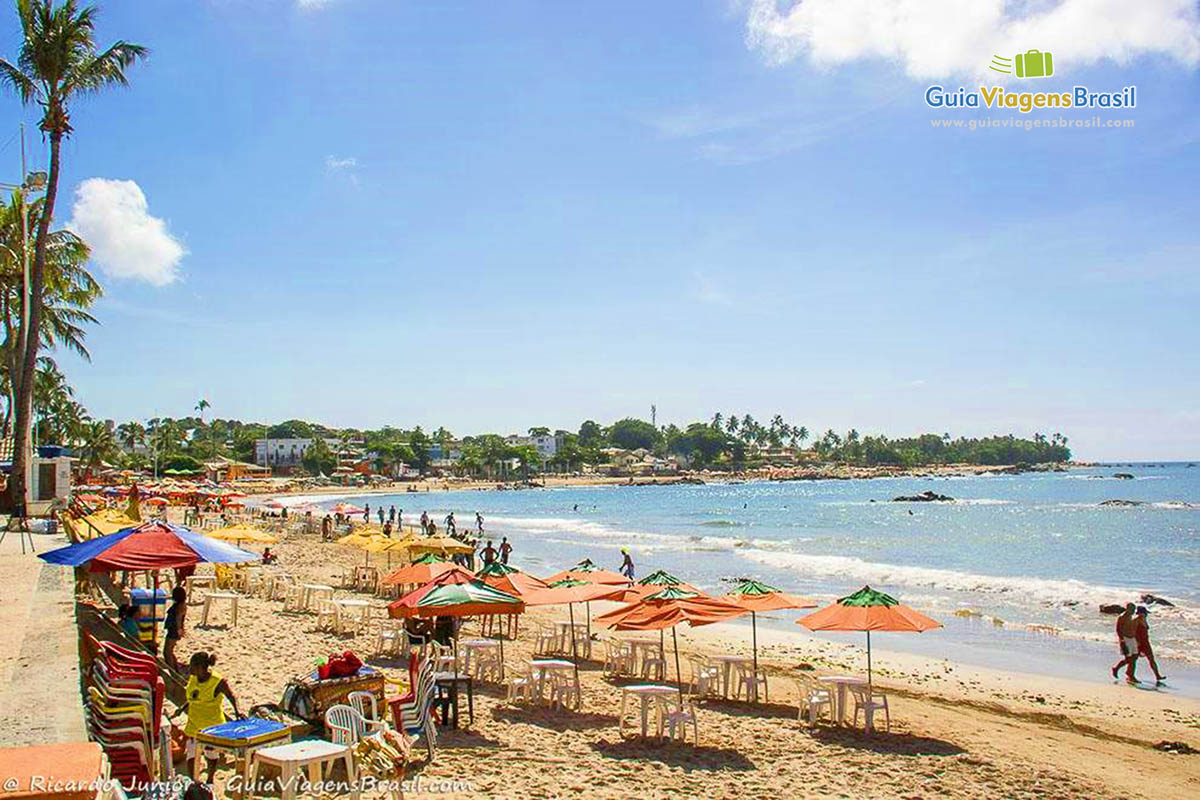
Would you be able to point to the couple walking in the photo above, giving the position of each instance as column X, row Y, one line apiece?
column 1133, row 637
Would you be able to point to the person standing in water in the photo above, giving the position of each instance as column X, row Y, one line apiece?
column 505, row 549
column 479, row 523
column 626, row 564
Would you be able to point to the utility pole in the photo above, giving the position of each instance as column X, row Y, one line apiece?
column 654, row 416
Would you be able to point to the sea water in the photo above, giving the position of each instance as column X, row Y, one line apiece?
column 1016, row 566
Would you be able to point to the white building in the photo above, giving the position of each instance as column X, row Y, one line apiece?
column 546, row 445
column 285, row 452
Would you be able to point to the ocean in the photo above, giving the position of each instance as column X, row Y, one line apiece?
column 1016, row 566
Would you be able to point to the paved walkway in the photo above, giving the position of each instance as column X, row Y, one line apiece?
column 40, row 698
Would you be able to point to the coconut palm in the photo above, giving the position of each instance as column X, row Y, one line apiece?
column 68, row 291
column 57, row 62
column 130, row 435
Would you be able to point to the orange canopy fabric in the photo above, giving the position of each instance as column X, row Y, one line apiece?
column 573, row 592
column 837, row 617
column 519, row 583
column 592, row 576
column 423, row 573
column 755, row 596
column 668, row 608
column 868, row 610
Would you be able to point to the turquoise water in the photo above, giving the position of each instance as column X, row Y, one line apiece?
column 1032, row 555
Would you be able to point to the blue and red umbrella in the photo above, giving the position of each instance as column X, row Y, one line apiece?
column 150, row 546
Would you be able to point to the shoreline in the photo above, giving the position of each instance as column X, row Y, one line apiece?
column 834, row 472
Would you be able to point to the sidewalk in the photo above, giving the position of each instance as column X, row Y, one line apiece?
column 39, row 651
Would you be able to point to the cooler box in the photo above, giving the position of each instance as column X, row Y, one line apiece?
column 152, row 606
column 249, row 732
column 334, row 691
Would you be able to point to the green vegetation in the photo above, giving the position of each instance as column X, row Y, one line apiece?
column 57, row 62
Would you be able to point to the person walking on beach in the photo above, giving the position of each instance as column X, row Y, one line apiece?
column 1143, row 640
column 205, row 705
column 1127, row 640
column 505, row 549
column 479, row 523
column 392, row 515
column 424, row 522
column 488, row 554
column 451, row 527
column 367, row 513
column 626, row 564
column 379, row 514
column 174, row 625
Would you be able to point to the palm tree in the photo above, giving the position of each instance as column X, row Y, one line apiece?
column 201, row 407
column 731, row 426
column 69, row 290
column 98, row 443
column 130, row 435
column 57, row 62
column 717, row 421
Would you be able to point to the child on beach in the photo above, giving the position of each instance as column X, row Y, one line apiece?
column 174, row 625
column 205, row 706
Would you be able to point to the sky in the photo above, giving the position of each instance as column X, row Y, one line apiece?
column 491, row 216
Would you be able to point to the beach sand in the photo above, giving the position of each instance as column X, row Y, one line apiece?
column 956, row 731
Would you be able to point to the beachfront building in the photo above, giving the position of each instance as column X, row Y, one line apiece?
column 286, row 454
column 546, row 444
column 223, row 469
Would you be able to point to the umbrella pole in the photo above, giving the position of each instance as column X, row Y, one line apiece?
column 868, row 659
column 678, row 674
column 754, row 639
column 154, row 615
column 588, row 606
column 574, row 655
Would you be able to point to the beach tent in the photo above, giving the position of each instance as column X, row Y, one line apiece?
column 755, row 596
column 868, row 610
column 149, row 546
column 666, row 609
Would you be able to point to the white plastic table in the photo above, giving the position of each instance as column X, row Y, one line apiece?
column 346, row 605
column 312, row 755
column 194, row 582
column 229, row 597
column 841, row 682
column 476, row 648
column 314, row 590
column 643, row 647
column 726, row 663
column 645, row 693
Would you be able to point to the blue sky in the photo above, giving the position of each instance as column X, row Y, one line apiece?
column 492, row 216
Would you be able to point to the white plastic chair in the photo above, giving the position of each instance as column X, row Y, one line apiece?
column 674, row 715
column 813, row 698
column 869, row 700
column 748, row 679
column 618, row 657
column 520, row 685
column 365, row 704
column 327, row 615
column 705, row 678
column 347, row 726
column 654, row 663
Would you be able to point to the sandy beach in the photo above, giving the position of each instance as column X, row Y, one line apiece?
column 956, row 731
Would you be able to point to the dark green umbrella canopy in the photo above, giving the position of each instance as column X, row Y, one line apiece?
column 660, row 578
column 587, row 565
column 672, row 593
column 495, row 570
column 429, row 558
column 569, row 583
column 866, row 597
column 749, row 586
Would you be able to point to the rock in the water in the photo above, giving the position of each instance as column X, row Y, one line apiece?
column 1155, row 600
column 927, row 496
column 1125, row 476
column 1111, row 608
column 1123, row 503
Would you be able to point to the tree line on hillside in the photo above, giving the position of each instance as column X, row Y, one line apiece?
column 725, row 441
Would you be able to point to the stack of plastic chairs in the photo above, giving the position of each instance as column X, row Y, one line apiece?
column 413, row 712
column 124, row 710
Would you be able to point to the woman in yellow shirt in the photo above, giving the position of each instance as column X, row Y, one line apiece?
column 205, row 706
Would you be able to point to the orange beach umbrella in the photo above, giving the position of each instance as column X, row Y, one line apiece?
column 754, row 597
column 868, row 610
column 588, row 572
column 666, row 609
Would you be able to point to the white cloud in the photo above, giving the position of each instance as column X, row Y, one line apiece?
column 941, row 38
column 113, row 218
column 334, row 164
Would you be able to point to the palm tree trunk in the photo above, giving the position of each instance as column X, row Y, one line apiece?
column 29, row 333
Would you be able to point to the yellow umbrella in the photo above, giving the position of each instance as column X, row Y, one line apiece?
column 367, row 543
column 107, row 521
column 437, row 544
column 243, row 533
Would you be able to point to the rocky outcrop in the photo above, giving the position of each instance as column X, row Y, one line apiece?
column 1123, row 503
column 1125, row 476
column 927, row 496
column 1155, row 600
column 1111, row 608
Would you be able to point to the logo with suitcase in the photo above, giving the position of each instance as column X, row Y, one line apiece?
column 1030, row 64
